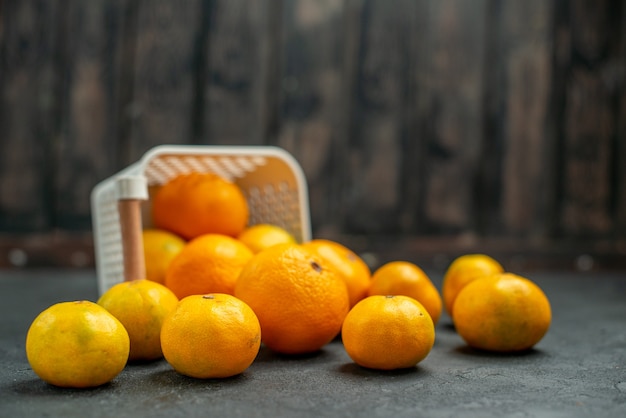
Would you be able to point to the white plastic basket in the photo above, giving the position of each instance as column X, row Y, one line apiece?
column 271, row 179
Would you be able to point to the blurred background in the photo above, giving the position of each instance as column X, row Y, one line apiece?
column 426, row 128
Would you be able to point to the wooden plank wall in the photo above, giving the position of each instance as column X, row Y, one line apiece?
column 425, row 127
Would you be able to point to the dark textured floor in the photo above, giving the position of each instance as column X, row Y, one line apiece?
column 578, row 369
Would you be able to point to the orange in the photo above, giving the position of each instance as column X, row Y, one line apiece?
column 502, row 312
column 352, row 268
column 404, row 278
column 388, row 332
column 194, row 204
column 299, row 299
column 208, row 264
column 211, row 336
column 160, row 247
column 77, row 344
column 261, row 236
column 463, row 270
column 141, row 306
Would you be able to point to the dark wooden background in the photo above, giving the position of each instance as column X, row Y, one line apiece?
column 426, row 128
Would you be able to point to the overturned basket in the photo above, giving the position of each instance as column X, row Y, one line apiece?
column 270, row 178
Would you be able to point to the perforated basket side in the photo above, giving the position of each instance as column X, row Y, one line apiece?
column 270, row 178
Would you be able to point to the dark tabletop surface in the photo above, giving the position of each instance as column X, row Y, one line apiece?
column 578, row 369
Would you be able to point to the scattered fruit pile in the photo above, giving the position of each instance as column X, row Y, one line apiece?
column 217, row 288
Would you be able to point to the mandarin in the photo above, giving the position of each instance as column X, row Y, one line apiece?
column 261, row 236
column 141, row 306
column 77, row 344
column 209, row 263
column 502, row 312
column 299, row 299
column 195, row 204
column 405, row 278
column 351, row 267
column 211, row 336
column 160, row 247
column 462, row 271
column 388, row 332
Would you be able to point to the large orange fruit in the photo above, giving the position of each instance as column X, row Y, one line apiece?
column 352, row 268
column 388, row 332
column 299, row 299
column 211, row 336
column 194, row 204
column 502, row 312
column 405, row 278
column 463, row 270
column 208, row 264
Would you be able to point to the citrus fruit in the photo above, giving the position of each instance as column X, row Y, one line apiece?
column 463, row 270
column 503, row 312
column 195, row 204
column 405, row 278
column 352, row 268
column 261, row 236
column 208, row 264
column 388, row 332
column 159, row 247
column 211, row 336
column 141, row 306
column 300, row 301
column 77, row 344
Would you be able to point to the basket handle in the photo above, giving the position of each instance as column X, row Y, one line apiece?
column 131, row 191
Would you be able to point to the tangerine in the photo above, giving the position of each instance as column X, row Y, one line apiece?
column 209, row 263
column 211, row 336
column 261, row 236
column 463, row 270
column 388, row 332
column 299, row 299
column 503, row 312
column 141, row 306
column 77, row 344
column 160, row 247
column 405, row 278
column 195, row 204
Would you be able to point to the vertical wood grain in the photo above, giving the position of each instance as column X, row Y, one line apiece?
column 450, row 86
column 517, row 181
column 163, row 91
column 375, row 153
column 29, row 98
column 589, row 123
column 236, row 71
column 87, row 141
column 312, row 57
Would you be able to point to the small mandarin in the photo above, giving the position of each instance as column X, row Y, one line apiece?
column 141, row 306
column 208, row 264
column 300, row 301
column 261, row 236
column 463, row 270
column 211, row 336
column 195, row 204
column 77, row 344
column 388, row 332
column 405, row 278
column 350, row 266
column 502, row 312
column 160, row 247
